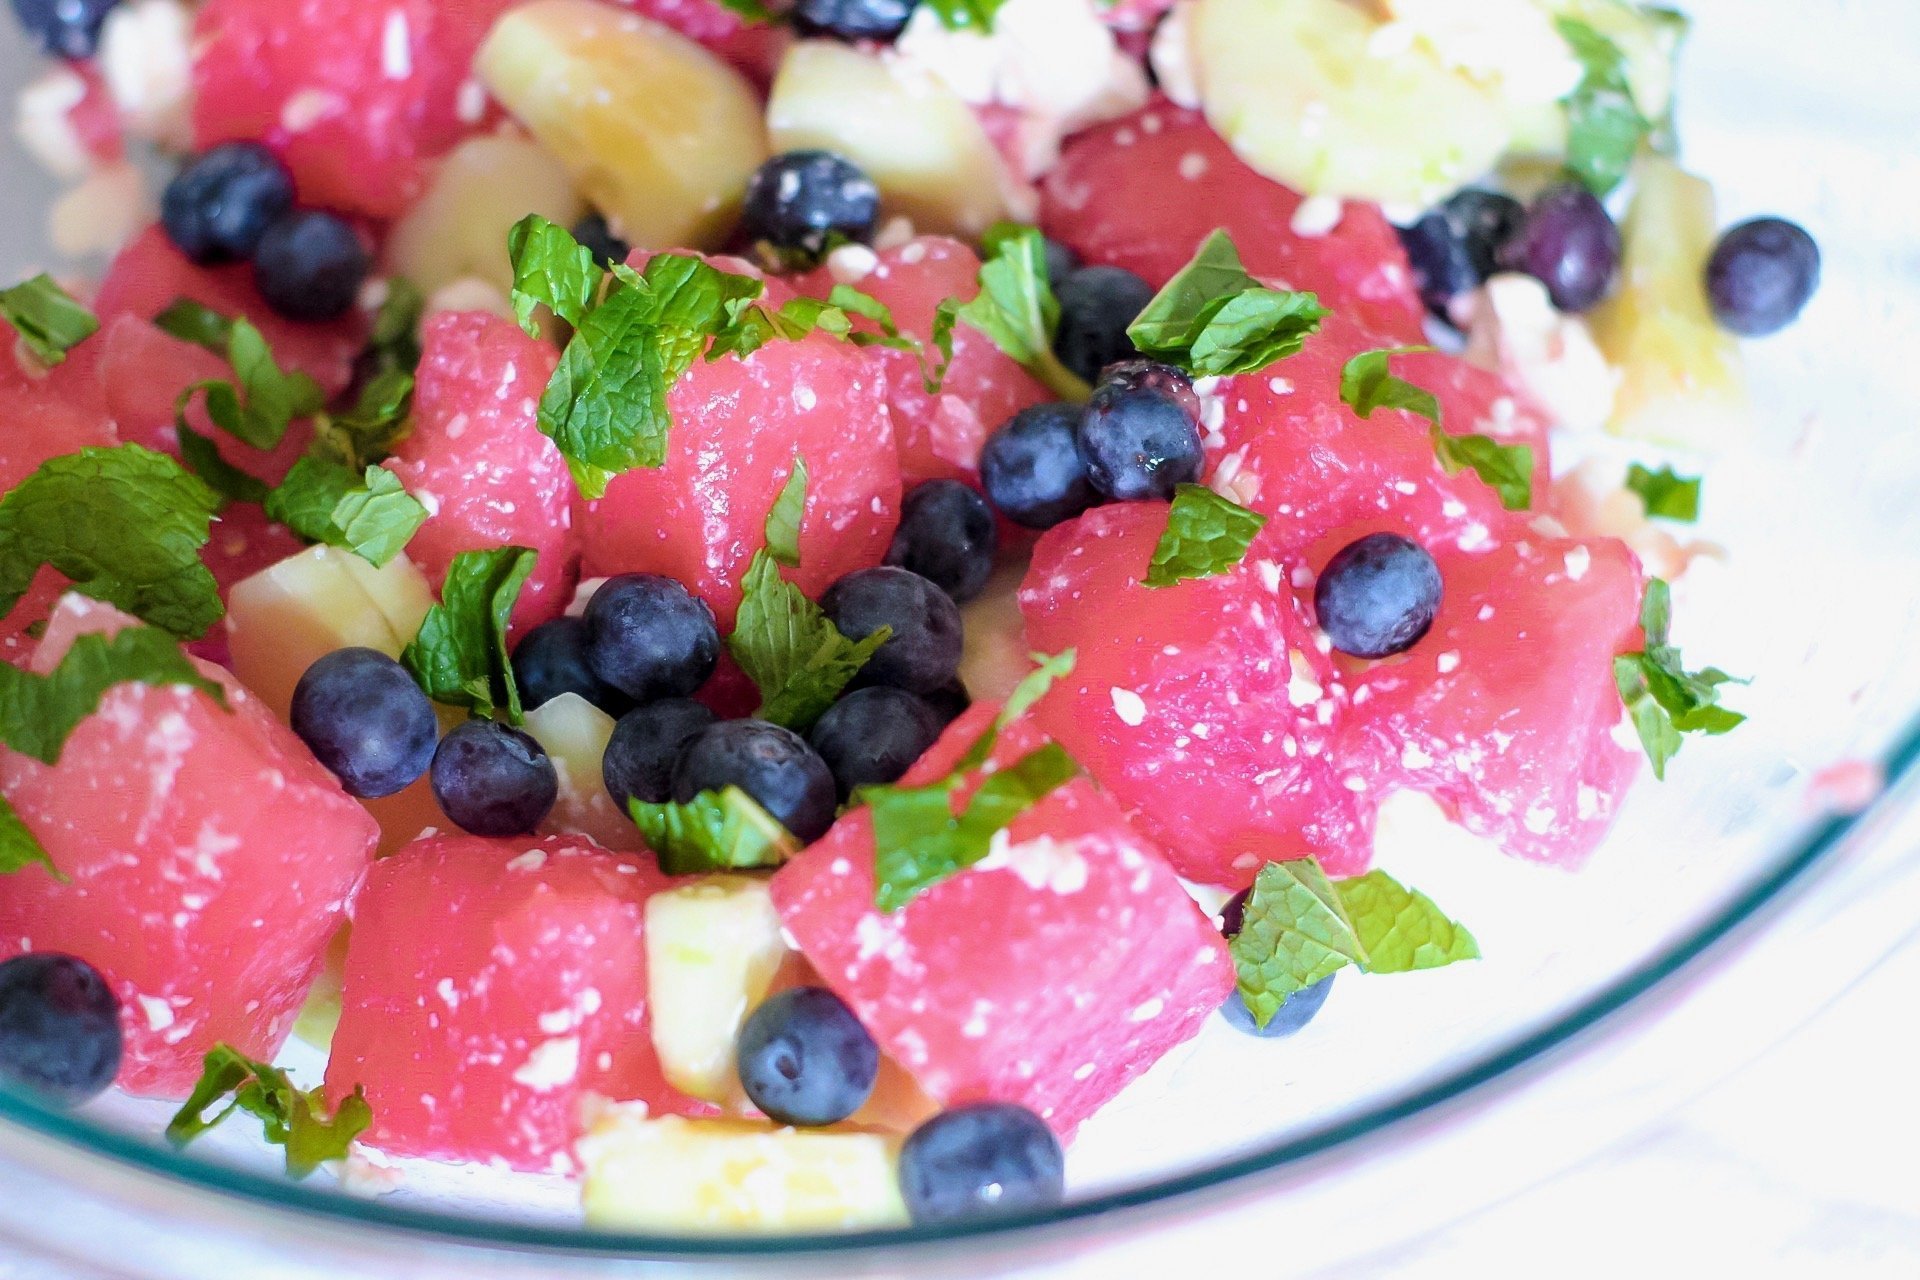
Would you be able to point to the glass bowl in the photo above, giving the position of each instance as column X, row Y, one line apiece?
column 1817, row 598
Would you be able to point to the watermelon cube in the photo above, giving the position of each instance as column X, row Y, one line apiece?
column 477, row 460
column 1049, row 974
column 210, row 860
column 489, row 987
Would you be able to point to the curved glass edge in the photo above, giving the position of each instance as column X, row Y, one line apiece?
column 1899, row 767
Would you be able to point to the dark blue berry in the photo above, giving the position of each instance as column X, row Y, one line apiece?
column 1568, row 243
column 1032, row 469
column 804, row 1059
column 1377, row 596
column 1761, row 274
column 1139, row 442
column 947, row 536
column 309, row 265
column 804, row 201
column 950, row 701
column 979, row 1160
column 222, row 201
column 773, row 765
column 1439, row 262
column 1061, row 261
column 1482, row 223
column 59, row 1027
column 494, row 780
column 1096, row 306
column 852, row 19
column 552, row 659
column 645, row 746
column 923, row 652
column 872, row 735
column 64, row 28
column 606, row 247
column 1294, row 1013
column 650, row 638
column 365, row 719
column 1150, row 375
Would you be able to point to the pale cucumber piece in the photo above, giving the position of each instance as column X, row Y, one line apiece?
column 458, row 229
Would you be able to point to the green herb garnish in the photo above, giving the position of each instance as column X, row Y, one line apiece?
column 1664, row 700
column 1213, row 319
column 293, row 1118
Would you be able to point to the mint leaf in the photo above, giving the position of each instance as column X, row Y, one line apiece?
column 791, row 650
column 366, row 433
column 1665, row 494
column 126, row 524
column 1400, row 929
column 796, row 318
column 366, row 512
column 550, row 269
column 47, row 318
column 1213, row 319
column 919, row 841
column 460, row 655
column 751, row 10
column 394, row 341
column 1295, row 932
column 1507, row 469
column 294, row 1118
column 721, row 830
column 783, row 522
column 1016, row 307
column 1604, row 125
column 1206, row 535
column 966, row 15
column 1033, row 686
column 201, row 455
column 20, row 848
column 195, row 322
column 933, row 373
column 263, row 399
column 1664, row 700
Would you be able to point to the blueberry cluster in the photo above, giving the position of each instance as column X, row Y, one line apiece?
column 235, row 203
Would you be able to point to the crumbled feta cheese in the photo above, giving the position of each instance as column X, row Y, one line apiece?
column 146, row 60
column 1043, row 863
column 851, row 263
column 551, row 1064
column 1172, row 56
column 396, row 47
column 1509, row 46
column 1317, row 216
column 44, row 125
column 1514, row 330
column 1129, row 706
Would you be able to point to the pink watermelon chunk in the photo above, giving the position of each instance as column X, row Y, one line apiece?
column 737, row 427
column 939, row 436
column 1142, row 192
column 476, row 457
column 358, row 96
column 211, row 858
column 753, row 47
column 1050, row 974
column 490, row 985
column 1206, row 709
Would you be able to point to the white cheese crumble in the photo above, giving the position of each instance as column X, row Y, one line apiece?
column 43, row 123
column 1129, row 706
column 146, row 60
column 551, row 1064
column 1509, row 46
column 1172, row 56
column 1514, row 330
column 1317, row 216
column 1043, row 864
column 159, row 1013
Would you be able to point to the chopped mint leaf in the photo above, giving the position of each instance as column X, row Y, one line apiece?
column 933, row 373
column 366, row 512
column 195, row 322
column 751, row 10
column 1206, row 535
column 263, row 399
column 1016, row 308
column 293, row 1118
column 1214, row 319
column 791, row 650
column 1666, row 495
column 126, row 524
column 796, row 318
column 394, row 341
column 1034, row 686
column 1507, row 469
column 1665, row 700
column 1604, row 125
column 201, row 456
column 1400, row 929
column 551, row 269
column 460, row 655
column 783, row 522
column 721, row 830
column 47, row 318
column 20, row 848
column 966, row 15
column 919, row 841
column 366, row 433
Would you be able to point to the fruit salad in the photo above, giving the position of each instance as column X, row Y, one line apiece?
column 760, row 606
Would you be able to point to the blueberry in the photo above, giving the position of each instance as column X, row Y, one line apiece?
column 982, row 1159
column 650, row 637
column 773, row 765
column 950, row 701
column 1032, row 469
column 1482, row 222
column 606, row 247
column 365, row 719
column 1377, row 596
column 222, row 201
column 1151, row 375
column 1096, row 306
column 552, row 659
column 64, row 28
column 1294, row 1013
column 494, row 780
column 923, row 652
column 1569, row 244
column 1761, row 274
column 805, row 200
column 646, row 744
column 1061, row 261
column 804, row 1059
column 1139, row 442
column 1441, row 269
column 872, row 735
column 852, row 19
column 59, row 1027
column 309, row 265
column 947, row 536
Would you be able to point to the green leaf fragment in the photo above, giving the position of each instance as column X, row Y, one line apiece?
column 966, row 15
column 724, row 830
column 200, row 455
column 1213, row 319
column 20, row 848
column 1400, row 929
column 1604, row 126
column 791, row 650
column 1663, row 699
column 1206, row 535
column 783, row 522
column 1366, row 384
column 1666, row 494
column 1016, row 308
column 47, row 318
column 460, row 655
column 295, row 1119
column 550, row 269
column 367, row 512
